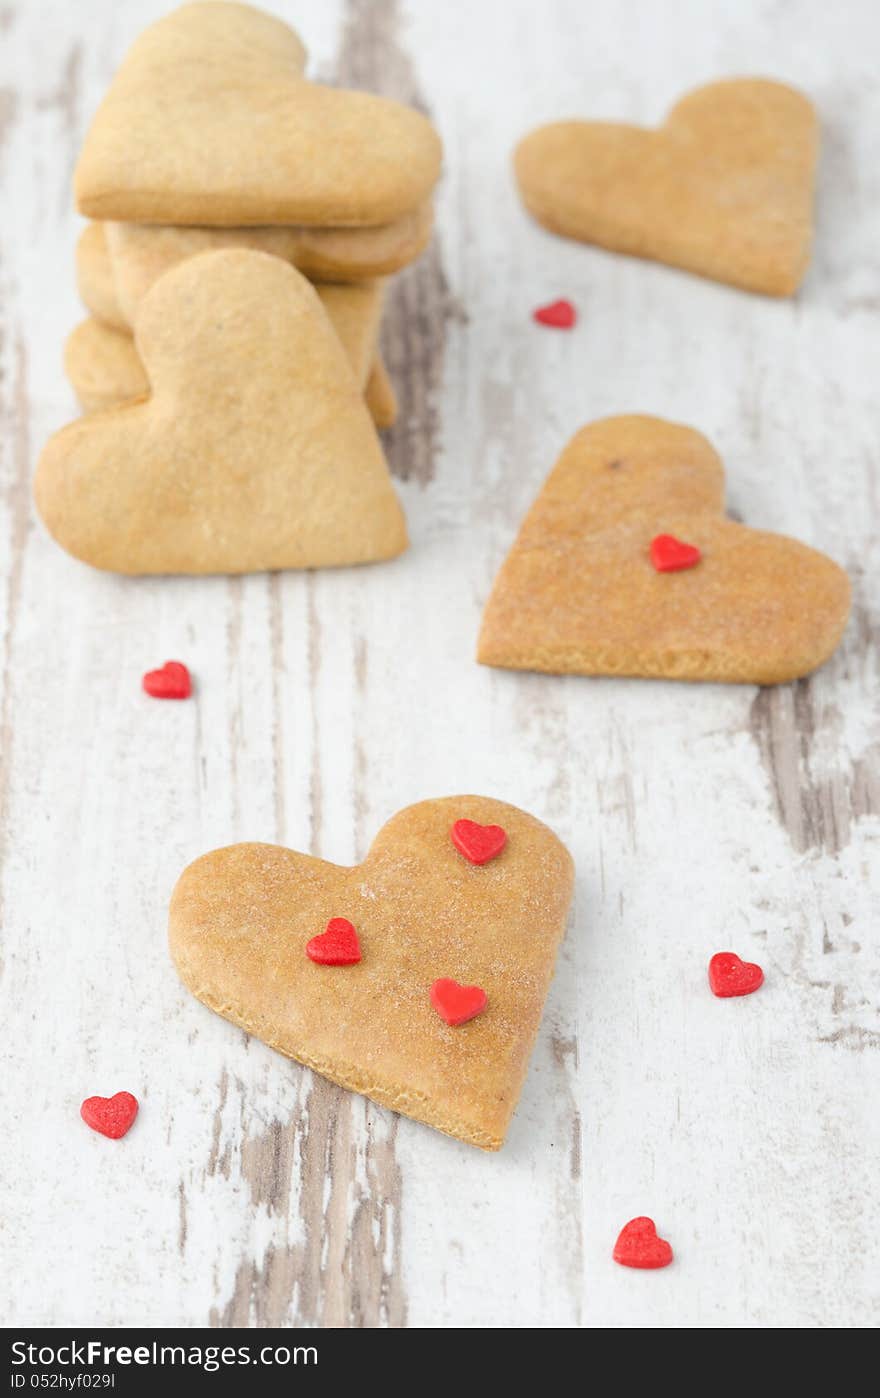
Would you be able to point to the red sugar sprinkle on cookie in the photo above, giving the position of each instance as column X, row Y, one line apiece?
column 457, row 1003
column 670, row 555
column 478, row 843
column 337, row 946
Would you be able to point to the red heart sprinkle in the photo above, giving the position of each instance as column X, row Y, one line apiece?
column 730, row 976
column 171, row 682
column 112, row 1116
column 457, row 1003
column 478, row 843
column 670, row 555
column 338, row 946
column 560, row 314
column 638, row 1245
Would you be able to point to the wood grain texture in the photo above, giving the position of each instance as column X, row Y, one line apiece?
column 251, row 1192
column 373, row 56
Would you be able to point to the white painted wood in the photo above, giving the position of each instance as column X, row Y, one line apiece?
column 700, row 818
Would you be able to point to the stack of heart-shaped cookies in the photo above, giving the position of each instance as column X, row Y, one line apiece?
column 211, row 142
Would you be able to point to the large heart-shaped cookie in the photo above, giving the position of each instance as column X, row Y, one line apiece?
column 724, row 188
column 254, row 451
column 580, row 593
column 242, row 917
column 100, row 358
column 209, row 120
column 104, row 368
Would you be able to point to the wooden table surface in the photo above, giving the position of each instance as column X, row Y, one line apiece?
column 252, row 1192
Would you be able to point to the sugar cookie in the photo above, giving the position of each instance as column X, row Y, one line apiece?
column 579, row 594
column 723, row 188
column 138, row 253
column 104, row 369
column 241, row 919
column 254, row 451
column 210, row 121
column 380, row 395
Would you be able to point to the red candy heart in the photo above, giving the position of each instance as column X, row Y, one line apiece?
column 171, row 682
column 338, row 946
column 112, row 1116
column 638, row 1245
column 457, row 1003
column 670, row 555
column 730, row 976
column 478, row 843
column 560, row 314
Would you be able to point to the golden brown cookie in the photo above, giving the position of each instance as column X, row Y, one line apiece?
column 254, row 451
column 95, row 279
column 579, row 594
column 112, row 290
column 141, row 252
column 355, row 312
column 723, row 188
column 104, row 369
column 102, row 366
column 241, row 919
column 380, row 395
column 209, row 120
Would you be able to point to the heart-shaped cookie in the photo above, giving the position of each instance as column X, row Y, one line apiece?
column 254, row 451
column 209, row 120
column 117, row 263
column 112, row 286
column 139, row 253
column 379, row 395
column 104, row 368
column 100, row 358
column 724, row 188
column 242, row 917
column 579, row 594
column 95, row 277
